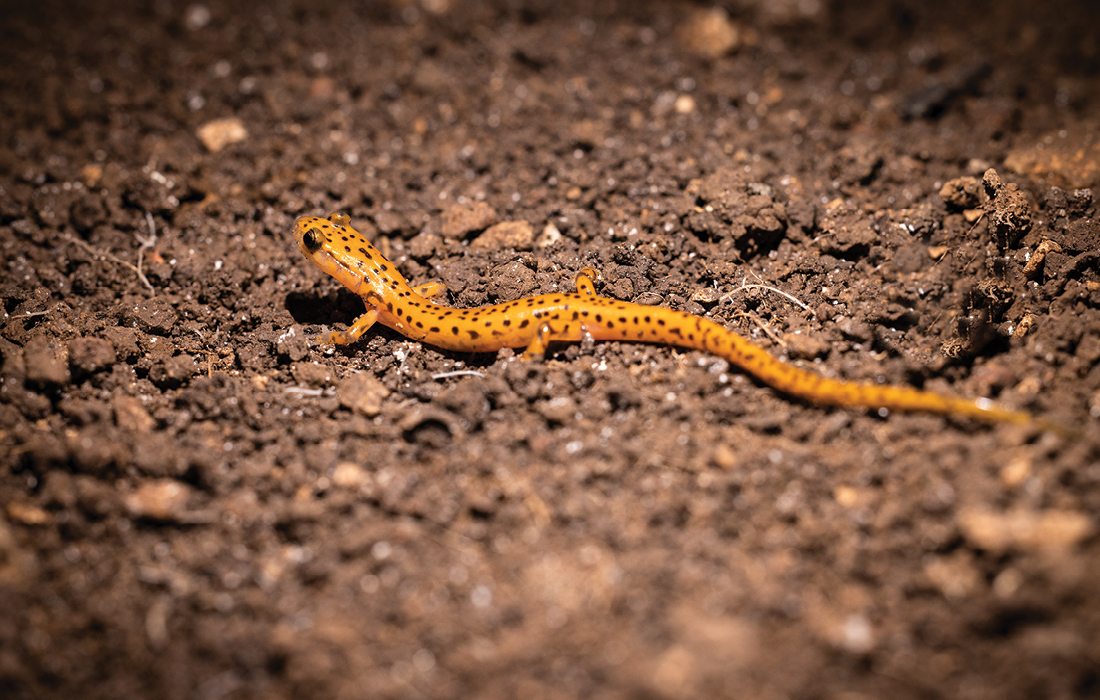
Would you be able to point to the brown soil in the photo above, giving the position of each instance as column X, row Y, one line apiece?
column 199, row 502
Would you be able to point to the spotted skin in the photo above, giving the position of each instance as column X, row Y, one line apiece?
column 535, row 322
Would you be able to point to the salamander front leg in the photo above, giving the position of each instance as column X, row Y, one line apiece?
column 586, row 281
column 431, row 290
column 354, row 331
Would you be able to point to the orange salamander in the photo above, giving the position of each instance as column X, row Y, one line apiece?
column 534, row 322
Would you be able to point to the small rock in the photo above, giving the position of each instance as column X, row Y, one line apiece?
column 219, row 133
column 161, row 499
column 46, row 362
column 724, row 457
column 1016, row 472
column 706, row 296
column 508, row 234
column 1049, row 530
column 362, row 393
column 462, row 219
column 549, row 236
column 1035, row 262
column 937, row 251
column 348, row 475
column 89, row 355
column 684, row 104
column 709, row 33
column 28, row 514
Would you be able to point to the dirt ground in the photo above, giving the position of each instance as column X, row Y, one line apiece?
column 196, row 501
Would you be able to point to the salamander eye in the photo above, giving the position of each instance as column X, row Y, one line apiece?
column 311, row 240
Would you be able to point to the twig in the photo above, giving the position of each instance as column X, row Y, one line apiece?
column 764, row 327
column 458, row 373
column 789, row 297
column 29, row 314
column 146, row 244
column 104, row 255
column 303, row 391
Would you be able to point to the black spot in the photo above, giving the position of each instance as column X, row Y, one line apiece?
column 507, row 322
column 524, row 323
column 433, row 329
column 473, row 335
column 454, row 330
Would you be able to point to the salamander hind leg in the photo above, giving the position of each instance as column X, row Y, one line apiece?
column 537, row 347
column 586, row 281
column 354, row 331
column 431, row 290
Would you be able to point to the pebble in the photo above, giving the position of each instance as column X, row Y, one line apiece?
column 362, row 393
column 507, row 234
column 709, row 33
column 549, row 236
column 219, row 133
column 46, row 362
column 461, row 219
column 1024, row 530
column 349, row 475
column 28, row 514
column 161, row 499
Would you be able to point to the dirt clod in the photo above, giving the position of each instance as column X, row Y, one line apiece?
column 46, row 362
column 462, row 219
column 362, row 393
column 507, row 234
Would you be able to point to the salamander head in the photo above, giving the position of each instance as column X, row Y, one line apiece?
column 341, row 251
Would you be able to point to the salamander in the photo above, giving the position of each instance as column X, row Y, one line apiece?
column 534, row 322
